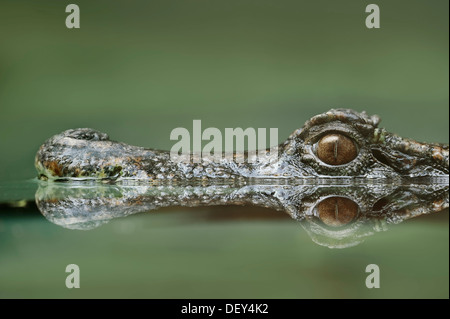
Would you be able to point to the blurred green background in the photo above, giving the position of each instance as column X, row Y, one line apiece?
column 138, row 69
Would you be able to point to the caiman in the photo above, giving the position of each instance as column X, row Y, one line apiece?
column 340, row 143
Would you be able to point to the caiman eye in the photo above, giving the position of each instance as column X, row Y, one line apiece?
column 337, row 211
column 336, row 149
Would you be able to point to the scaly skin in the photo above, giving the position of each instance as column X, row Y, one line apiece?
column 89, row 154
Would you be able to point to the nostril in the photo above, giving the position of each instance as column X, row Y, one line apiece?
column 86, row 134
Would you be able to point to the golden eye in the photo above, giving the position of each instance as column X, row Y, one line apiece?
column 337, row 211
column 336, row 149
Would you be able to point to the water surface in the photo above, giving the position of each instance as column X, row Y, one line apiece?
column 214, row 251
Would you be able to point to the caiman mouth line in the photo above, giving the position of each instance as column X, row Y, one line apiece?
column 339, row 144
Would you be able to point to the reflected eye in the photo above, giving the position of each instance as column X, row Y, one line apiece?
column 337, row 211
column 336, row 149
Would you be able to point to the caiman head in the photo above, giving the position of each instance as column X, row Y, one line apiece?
column 343, row 142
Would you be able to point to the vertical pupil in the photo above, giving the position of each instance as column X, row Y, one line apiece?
column 337, row 211
column 336, row 149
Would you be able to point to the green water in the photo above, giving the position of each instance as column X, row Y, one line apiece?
column 220, row 252
column 138, row 70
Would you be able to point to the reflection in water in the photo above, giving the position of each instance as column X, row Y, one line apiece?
column 336, row 216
